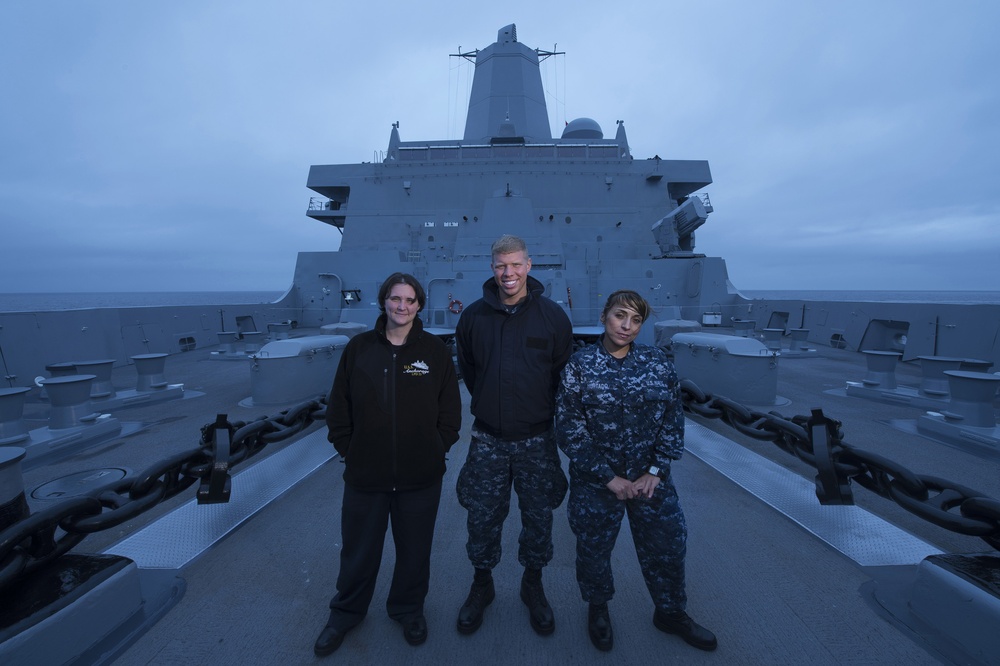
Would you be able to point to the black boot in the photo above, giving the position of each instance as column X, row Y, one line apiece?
column 415, row 629
column 533, row 596
column 470, row 615
column 599, row 627
column 680, row 623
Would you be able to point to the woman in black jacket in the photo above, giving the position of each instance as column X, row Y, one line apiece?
column 393, row 413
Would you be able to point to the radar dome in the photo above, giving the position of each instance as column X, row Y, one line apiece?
column 583, row 128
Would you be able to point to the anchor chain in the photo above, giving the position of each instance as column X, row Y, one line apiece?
column 939, row 501
column 46, row 535
column 814, row 439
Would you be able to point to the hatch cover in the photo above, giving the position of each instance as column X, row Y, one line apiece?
column 81, row 483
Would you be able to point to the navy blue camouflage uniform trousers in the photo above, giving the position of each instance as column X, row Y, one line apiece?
column 533, row 467
column 618, row 417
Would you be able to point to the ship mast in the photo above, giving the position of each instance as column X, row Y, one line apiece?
column 507, row 91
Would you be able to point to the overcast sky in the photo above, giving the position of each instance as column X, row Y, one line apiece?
column 165, row 145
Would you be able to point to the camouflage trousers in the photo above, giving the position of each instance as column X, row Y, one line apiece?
column 658, row 531
column 493, row 465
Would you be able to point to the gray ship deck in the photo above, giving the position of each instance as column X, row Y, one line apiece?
column 758, row 575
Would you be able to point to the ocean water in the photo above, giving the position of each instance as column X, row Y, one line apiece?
column 878, row 296
column 71, row 301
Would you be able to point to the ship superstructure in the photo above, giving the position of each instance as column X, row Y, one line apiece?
column 594, row 216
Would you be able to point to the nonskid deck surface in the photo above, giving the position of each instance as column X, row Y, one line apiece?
column 771, row 592
column 770, row 589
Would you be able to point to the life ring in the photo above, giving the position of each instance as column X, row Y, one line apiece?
column 455, row 306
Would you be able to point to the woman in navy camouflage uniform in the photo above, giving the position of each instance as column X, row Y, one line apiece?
column 620, row 421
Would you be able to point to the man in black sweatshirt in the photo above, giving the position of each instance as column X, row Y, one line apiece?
column 512, row 346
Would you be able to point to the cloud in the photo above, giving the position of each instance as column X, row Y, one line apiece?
column 166, row 146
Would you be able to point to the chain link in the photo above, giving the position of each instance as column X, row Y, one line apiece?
column 43, row 536
column 815, row 439
column 944, row 503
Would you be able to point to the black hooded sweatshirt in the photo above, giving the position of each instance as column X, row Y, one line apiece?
column 511, row 359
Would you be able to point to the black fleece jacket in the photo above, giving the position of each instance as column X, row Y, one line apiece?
column 511, row 360
column 394, row 412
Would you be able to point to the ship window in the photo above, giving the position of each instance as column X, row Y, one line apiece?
column 508, row 151
column 604, row 152
column 413, row 154
column 475, row 151
column 443, row 152
column 571, row 151
column 539, row 152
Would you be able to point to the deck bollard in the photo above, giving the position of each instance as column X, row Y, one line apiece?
column 64, row 369
column 12, row 428
column 934, row 382
column 70, row 399
column 227, row 342
column 976, row 365
column 744, row 327
column 772, row 338
column 972, row 398
column 881, row 368
column 101, row 388
column 149, row 371
column 251, row 341
column 799, row 336
column 13, row 503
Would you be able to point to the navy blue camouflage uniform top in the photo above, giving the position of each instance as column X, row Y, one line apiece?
column 618, row 417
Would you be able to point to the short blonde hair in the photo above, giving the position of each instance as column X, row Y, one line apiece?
column 507, row 244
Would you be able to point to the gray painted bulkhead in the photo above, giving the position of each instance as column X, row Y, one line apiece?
column 913, row 329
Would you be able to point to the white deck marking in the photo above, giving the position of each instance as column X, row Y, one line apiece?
column 183, row 534
column 858, row 534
